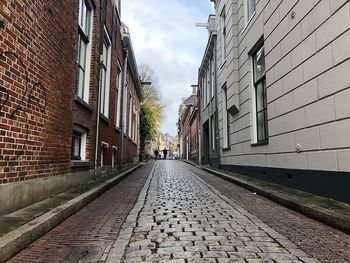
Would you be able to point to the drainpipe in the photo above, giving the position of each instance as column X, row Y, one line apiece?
column 125, row 89
column 102, row 18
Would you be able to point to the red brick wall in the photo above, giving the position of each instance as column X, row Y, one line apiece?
column 108, row 133
column 37, row 46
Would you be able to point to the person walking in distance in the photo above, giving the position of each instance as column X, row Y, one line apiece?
column 165, row 152
column 156, row 153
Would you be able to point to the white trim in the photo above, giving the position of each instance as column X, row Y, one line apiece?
column 83, row 140
column 119, row 87
column 106, row 88
column 225, row 129
column 254, row 133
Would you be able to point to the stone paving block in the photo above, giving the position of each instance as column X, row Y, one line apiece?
column 215, row 254
column 206, row 243
column 169, row 250
column 187, row 254
column 231, row 260
column 202, row 260
column 222, row 248
column 172, row 261
column 176, row 244
column 197, row 248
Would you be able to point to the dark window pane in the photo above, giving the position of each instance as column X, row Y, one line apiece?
column 76, row 146
column 261, row 126
column 260, row 97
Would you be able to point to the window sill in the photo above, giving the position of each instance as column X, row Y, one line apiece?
column 260, row 143
column 104, row 118
column 83, row 103
column 223, row 64
column 117, row 129
column 132, row 141
column 79, row 164
column 248, row 22
column 226, row 149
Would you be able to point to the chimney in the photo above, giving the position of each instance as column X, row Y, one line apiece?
column 194, row 89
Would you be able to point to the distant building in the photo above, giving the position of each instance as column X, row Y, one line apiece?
column 283, row 91
column 64, row 98
column 207, row 81
column 189, row 126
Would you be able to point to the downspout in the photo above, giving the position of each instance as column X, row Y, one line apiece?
column 125, row 86
column 102, row 18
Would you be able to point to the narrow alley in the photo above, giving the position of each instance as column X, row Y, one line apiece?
column 184, row 214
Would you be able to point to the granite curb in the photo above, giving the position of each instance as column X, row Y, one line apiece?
column 313, row 210
column 16, row 240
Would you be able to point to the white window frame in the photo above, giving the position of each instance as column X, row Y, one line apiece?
column 248, row 13
column 255, row 82
column 225, row 124
column 130, row 115
column 213, row 130
column 212, row 76
column 223, row 34
column 85, row 26
column 105, row 74
column 207, row 74
column 119, row 86
column 83, row 138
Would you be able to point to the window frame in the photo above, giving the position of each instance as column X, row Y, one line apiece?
column 247, row 12
column 105, row 74
column 119, row 85
column 81, row 133
column 223, row 32
column 83, row 62
column 225, row 119
column 261, row 80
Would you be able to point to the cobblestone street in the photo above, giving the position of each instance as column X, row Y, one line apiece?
column 179, row 218
column 175, row 212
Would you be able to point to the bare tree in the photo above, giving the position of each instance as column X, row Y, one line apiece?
column 150, row 92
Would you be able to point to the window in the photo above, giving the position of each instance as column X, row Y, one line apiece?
column 118, row 96
column 260, row 106
column 207, row 74
column 84, row 49
column 78, row 150
column 225, row 118
column 134, row 123
column 212, row 76
column 249, row 9
column 213, row 128
column 130, row 115
column 105, row 74
column 223, row 34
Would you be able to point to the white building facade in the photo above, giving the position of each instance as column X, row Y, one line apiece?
column 283, row 87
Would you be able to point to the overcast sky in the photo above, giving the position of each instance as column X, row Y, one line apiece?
column 164, row 36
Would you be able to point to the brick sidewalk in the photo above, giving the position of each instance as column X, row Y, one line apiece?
column 89, row 233
column 327, row 244
column 179, row 218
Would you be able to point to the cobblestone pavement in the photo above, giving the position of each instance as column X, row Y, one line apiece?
column 327, row 244
column 179, row 218
column 88, row 235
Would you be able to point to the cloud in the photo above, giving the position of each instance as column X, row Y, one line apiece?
column 164, row 36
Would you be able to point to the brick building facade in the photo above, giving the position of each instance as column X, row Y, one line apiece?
column 189, row 126
column 65, row 69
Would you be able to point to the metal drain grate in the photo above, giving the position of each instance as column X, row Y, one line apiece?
column 82, row 254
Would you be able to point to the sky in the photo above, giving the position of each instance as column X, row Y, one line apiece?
column 165, row 37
